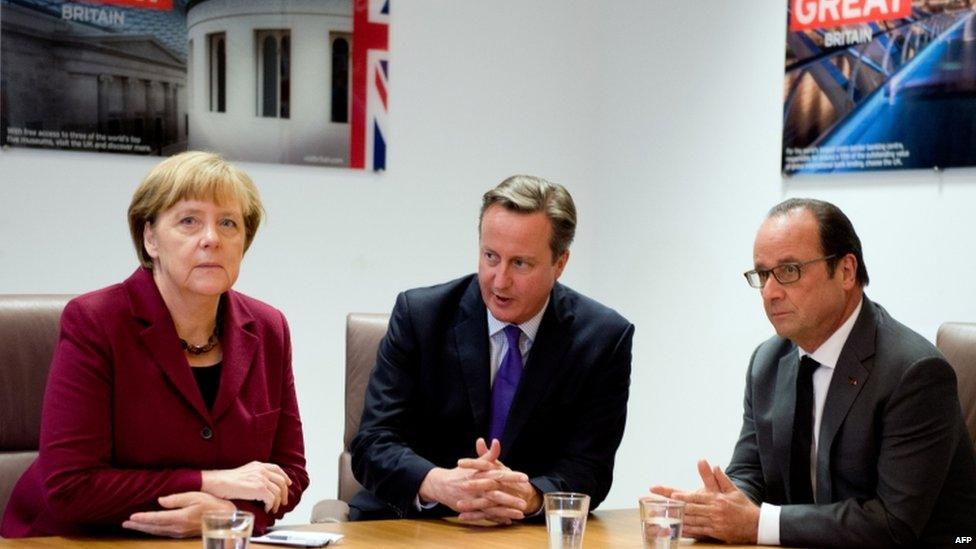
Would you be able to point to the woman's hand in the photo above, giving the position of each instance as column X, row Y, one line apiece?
column 265, row 482
column 182, row 517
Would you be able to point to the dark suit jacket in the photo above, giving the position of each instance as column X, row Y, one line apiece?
column 429, row 397
column 124, row 423
column 894, row 462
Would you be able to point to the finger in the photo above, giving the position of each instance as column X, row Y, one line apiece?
column 697, row 532
column 494, row 451
column 494, row 518
column 274, row 467
column 695, row 497
column 179, row 500
column 665, row 491
column 474, row 504
column 157, row 517
column 725, row 484
column 277, row 485
column 708, row 479
column 281, row 480
column 504, row 499
column 479, row 464
column 477, row 486
column 480, row 447
column 481, row 519
column 146, row 528
column 502, row 513
column 501, row 475
column 276, row 490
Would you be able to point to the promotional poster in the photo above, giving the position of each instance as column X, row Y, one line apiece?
column 879, row 85
column 276, row 81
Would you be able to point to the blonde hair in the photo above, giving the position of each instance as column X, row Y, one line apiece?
column 192, row 175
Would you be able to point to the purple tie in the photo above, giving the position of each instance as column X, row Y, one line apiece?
column 506, row 382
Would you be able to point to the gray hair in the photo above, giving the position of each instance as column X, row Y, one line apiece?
column 530, row 194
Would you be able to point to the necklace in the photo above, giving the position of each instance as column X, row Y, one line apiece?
column 212, row 342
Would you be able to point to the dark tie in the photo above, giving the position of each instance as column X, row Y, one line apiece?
column 506, row 382
column 803, row 433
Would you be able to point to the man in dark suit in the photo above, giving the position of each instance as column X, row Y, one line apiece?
column 508, row 356
column 852, row 433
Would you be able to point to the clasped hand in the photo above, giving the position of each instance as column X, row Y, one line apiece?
column 718, row 510
column 482, row 489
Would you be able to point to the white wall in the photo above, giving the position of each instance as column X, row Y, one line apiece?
column 663, row 119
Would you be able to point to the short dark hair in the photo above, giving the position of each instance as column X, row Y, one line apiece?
column 837, row 236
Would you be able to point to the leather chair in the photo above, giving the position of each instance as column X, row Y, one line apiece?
column 957, row 341
column 364, row 331
column 29, row 326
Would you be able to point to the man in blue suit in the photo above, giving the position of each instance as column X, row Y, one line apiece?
column 493, row 389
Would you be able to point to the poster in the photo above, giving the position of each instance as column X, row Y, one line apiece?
column 879, row 85
column 279, row 81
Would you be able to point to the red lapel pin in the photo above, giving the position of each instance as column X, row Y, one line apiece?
column 852, row 381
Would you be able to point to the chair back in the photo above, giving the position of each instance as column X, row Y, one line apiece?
column 957, row 341
column 29, row 327
column 364, row 331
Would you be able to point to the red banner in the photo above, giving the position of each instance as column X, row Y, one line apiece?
column 166, row 5
column 822, row 14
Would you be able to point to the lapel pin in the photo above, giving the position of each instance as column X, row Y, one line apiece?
column 852, row 381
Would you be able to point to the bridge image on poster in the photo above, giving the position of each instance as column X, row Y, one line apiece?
column 897, row 94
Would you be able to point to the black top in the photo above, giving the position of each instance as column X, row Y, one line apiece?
column 208, row 380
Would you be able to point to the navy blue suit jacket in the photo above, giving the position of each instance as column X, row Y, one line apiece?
column 429, row 397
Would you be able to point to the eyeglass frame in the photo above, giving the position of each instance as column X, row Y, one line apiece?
column 799, row 271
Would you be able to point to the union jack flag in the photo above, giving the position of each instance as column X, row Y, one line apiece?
column 370, row 72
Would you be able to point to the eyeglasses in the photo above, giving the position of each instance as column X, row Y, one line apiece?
column 787, row 273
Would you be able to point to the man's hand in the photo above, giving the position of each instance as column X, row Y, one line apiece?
column 182, row 519
column 718, row 510
column 256, row 481
column 499, row 495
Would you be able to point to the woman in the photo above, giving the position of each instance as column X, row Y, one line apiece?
column 169, row 394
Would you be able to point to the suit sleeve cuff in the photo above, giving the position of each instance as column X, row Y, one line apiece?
column 768, row 533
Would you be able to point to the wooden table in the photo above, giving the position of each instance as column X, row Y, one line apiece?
column 617, row 529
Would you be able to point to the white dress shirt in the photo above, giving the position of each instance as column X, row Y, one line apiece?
column 827, row 355
column 498, row 343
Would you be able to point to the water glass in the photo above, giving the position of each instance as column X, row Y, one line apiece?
column 566, row 518
column 661, row 520
column 227, row 529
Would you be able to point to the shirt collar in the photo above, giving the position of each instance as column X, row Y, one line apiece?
column 530, row 327
column 829, row 351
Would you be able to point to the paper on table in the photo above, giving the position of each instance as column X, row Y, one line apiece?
column 298, row 538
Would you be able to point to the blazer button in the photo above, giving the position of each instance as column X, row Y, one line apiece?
column 206, row 433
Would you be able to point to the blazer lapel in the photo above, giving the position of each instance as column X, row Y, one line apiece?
column 849, row 378
column 547, row 352
column 784, row 410
column 471, row 344
column 160, row 339
column 239, row 345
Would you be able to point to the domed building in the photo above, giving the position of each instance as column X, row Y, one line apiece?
column 269, row 80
